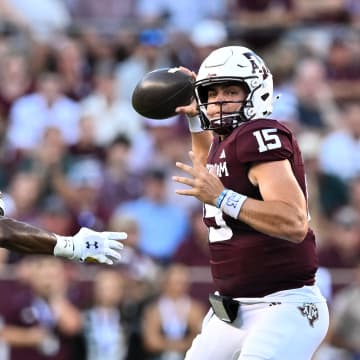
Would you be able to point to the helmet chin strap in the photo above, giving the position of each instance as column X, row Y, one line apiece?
column 225, row 124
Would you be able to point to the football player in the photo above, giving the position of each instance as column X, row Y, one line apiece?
column 248, row 171
column 87, row 245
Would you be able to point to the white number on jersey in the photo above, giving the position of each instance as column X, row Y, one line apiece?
column 267, row 140
column 222, row 233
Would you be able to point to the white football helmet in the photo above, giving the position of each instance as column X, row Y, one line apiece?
column 235, row 64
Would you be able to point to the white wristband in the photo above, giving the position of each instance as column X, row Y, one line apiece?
column 194, row 124
column 64, row 246
column 231, row 202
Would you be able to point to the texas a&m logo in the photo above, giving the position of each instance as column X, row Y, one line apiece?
column 310, row 311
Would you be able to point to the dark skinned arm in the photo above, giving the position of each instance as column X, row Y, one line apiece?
column 86, row 245
column 24, row 238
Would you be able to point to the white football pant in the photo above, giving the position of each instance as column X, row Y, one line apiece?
column 286, row 325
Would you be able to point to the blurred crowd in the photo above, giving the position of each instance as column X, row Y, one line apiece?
column 74, row 153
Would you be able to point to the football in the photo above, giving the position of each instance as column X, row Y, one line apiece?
column 160, row 92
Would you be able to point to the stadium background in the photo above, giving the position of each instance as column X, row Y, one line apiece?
column 74, row 153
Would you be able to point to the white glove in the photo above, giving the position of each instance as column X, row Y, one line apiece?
column 91, row 246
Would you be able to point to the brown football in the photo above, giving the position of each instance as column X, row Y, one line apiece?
column 160, row 92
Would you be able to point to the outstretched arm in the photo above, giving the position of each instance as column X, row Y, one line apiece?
column 21, row 237
column 87, row 245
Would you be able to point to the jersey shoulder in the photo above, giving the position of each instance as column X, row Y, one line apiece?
column 259, row 124
column 263, row 140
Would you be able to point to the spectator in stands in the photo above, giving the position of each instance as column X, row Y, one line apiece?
column 15, row 81
column 80, row 188
column 73, row 67
column 206, row 36
column 355, row 193
column 48, row 106
column 43, row 323
column 158, row 152
column 48, row 159
column 353, row 8
column 142, row 283
column 22, row 202
column 91, row 193
column 103, row 327
column 23, row 196
column 327, row 193
column 150, row 53
column 86, row 146
column 106, row 16
column 120, row 183
column 344, row 331
column 162, row 225
column 261, row 23
column 45, row 19
column 340, row 151
column 343, row 68
column 173, row 319
column 137, row 265
column 194, row 253
column 321, row 13
column 111, row 113
column 315, row 104
column 342, row 247
column 179, row 16
column 12, row 16
column 56, row 217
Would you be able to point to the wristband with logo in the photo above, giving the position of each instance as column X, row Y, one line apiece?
column 231, row 203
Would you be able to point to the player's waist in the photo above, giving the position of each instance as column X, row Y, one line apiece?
column 228, row 309
column 308, row 293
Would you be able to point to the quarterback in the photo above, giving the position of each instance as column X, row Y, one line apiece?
column 248, row 171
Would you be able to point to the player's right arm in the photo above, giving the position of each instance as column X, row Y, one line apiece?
column 200, row 144
column 200, row 139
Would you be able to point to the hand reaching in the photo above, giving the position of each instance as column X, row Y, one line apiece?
column 91, row 246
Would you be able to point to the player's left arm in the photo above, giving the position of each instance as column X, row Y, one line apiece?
column 283, row 211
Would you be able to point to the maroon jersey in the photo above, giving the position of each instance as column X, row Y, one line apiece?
column 245, row 262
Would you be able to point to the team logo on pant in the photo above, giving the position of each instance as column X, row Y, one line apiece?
column 310, row 311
